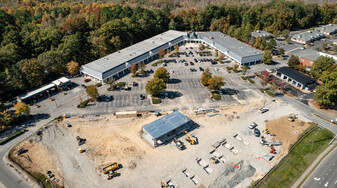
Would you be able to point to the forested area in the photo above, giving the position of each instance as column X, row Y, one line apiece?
column 38, row 39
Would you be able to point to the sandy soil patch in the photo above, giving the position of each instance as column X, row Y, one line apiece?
column 114, row 140
column 287, row 132
column 330, row 112
column 38, row 159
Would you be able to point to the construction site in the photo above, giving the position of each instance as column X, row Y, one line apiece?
column 226, row 147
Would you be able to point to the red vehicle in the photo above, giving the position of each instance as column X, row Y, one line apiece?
column 87, row 80
column 191, row 63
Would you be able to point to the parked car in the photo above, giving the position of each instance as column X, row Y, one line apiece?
column 87, row 80
column 191, row 63
column 134, row 84
column 109, row 98
column 253, row 125
column 141, row 97
column 186, row 64
column 201, row 69
column 220, row 92
column 216, row 69
column 171, row 71
column 257, row 132
column 84, row 86
column 164, row 64
column 263, row 110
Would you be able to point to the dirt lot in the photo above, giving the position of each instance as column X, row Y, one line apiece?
column 286, row 132
column 38, row 159
column 118, row 140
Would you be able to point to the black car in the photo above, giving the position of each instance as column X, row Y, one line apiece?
column 186, row 64
column 84, row 86
column 201, row 69
column 109, row 98
column 257, row 132
column 141, row 97
column 101, row 98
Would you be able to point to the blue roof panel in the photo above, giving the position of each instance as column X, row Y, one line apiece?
column 165, row 124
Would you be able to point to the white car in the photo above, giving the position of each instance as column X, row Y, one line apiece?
column 216, row 69
column 171, row 71
column 268, row 70
column 253, row 125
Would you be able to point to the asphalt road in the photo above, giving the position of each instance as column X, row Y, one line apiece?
column 325, row 175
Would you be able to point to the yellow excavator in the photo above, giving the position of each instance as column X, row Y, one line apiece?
column 163, row 185
column 189, row 138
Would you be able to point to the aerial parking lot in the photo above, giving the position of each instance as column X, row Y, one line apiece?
column 184, row 87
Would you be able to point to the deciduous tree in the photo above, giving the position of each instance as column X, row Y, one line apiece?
column 206, row 75
column 155, row 86
column 201, row 47
column 244, row 69
column 162, row 73
column 73, row 67
column 215, row 83
column 92, row 92
column 133, row 68
column 320, row 65
column 293, row 61
column 267, row 57
column 21, row 109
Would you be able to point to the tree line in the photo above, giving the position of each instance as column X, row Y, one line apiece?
column 38, row 39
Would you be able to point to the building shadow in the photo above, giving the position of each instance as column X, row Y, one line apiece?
column 174, row 81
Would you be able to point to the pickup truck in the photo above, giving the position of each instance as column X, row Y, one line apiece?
column 263, row 110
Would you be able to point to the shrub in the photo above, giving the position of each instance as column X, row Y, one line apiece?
column 221, row 62
column 216, row 97
column 270, row 93
column 250, row 80
column 243, row 78
column 12, row 136
column 99, row 84
column 216, row 59
column 229, row 68
column 236, row 71
column 154, row 65
column 121, row 84
column 156, row 100
column 83, row 104
column 133, row 76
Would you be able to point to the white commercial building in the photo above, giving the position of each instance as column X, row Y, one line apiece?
column 118, row 63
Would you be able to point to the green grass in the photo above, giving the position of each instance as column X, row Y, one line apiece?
column 229, row 68
column 98, row 84
column 156, row 100
column 299, row 159
column 243, row 78
column 217, row 97
column 251, row 81
column 10, row 137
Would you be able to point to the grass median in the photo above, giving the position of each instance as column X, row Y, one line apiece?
column 298, row 159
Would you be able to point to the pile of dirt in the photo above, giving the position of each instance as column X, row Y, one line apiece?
column 287, row 132
column 37, row 159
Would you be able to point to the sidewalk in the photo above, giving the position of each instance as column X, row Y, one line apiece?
column 313, row 166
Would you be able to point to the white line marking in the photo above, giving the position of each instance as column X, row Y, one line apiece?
column 317, row 179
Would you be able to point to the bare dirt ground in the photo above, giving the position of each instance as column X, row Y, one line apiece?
column 287, row 132
column 109, row 140
column 38, row 159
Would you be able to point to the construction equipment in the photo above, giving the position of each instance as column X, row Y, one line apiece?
column 163, row 185
column 80, row 150
column 179, row 144
column 21, row 151
column 110, row 167
column 272, row 150
column 189, row 138
column 266, row 131
column 214, row 160
column 80, row 140
column 292, row 117
column 111, row 175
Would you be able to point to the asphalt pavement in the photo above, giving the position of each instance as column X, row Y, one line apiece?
column 325, row 175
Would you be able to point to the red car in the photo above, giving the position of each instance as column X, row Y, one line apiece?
column 191, row 63
column 87, row 80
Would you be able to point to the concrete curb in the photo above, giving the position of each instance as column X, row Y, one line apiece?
column 24, row 175
column 314, row 165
